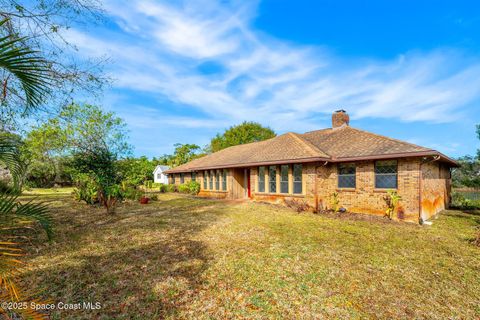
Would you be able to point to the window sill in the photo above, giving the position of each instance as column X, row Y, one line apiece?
column 280, row 194
column 208, row 190
column 346, row 189
column 381, row 190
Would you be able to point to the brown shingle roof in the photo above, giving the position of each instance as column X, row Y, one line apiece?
column 339, row 144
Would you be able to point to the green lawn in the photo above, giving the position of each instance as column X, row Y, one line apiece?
column 183, row 257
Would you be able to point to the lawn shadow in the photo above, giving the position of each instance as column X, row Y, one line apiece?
column 152, row 277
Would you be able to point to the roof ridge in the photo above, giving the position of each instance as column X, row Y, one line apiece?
column 391, row 139
column 309, row 145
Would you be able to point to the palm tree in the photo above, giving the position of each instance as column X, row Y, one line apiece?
column 32, row 73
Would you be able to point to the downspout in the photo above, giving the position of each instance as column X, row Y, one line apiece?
column 316, row 186
column 420, row 186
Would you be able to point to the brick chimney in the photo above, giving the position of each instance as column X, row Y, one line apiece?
column 340, row 118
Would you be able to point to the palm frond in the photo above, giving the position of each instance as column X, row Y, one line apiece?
column 30, row 69
column 13, row 212
column 10, row 155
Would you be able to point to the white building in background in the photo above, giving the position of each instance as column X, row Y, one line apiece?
column 159, row 176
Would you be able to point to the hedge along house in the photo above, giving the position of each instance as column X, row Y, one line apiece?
column 357, row 165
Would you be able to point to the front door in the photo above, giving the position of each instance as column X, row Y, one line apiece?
column 249, row 188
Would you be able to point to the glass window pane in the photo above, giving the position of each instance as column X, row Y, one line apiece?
column 386, row 174
column 297, row 178
column 346, row 175
column 261, row 179
column 217, row 180
column 194, row 176
column 224, row 180
column 272, row 178
column 182, row 177
column 284, row 179
column 210, row 181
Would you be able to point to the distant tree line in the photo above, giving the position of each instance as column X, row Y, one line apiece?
column 468, row 174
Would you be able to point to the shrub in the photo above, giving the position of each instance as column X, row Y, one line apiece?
column 86, row 189
column 154, row 197
column 132, row 194
column 162, row 188
column 149, row 184
column 459, row 201
column 171, row 188
column 194, row 187
column 184, row 188
column 156, row 185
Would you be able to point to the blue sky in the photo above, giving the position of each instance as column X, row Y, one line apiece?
column 185, row 70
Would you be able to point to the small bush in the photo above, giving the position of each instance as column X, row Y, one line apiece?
column 154, row 197
column 194, row 187
column 156, row 185
column 86, row 189
column 162, row 188
column 459, row 201
column 184, row 188
column 149, row 184
column 171, row 188
column 132, row 194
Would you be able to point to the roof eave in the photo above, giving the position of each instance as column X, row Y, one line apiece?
column 427, row 153
column 251, row 164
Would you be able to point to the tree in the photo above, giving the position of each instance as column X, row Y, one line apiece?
column 240, row 134
column 136, row 171
column 81, row 128
column 40, row 26
column 468, row 174
column 478, row 135
column 184, row 153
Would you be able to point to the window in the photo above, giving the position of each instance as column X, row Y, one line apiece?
column 172, row 179
column 204, row 180
column 210, row 180
column 272, row 179
column 182, row 177
column 346, row 175
column 297, row 178
column 261, row 179
column 224, row 180
column 194, row 176
column 284, row 178
column 159, row 175
column 386, row 174
column 217, row 180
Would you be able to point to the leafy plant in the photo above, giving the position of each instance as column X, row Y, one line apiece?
column 335, row 202
column 171, row 188
column 149, row 184
column 391, row 199
column 162, row 188
column 86, row 189
column 184, row 188
column 194, row 187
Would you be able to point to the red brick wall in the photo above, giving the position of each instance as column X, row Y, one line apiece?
column 320, row 182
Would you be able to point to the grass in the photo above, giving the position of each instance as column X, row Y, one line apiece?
column 183, row 257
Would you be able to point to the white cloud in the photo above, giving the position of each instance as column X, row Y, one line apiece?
column 160, row 46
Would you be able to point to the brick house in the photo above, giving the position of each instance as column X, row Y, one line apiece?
column 360, row 166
